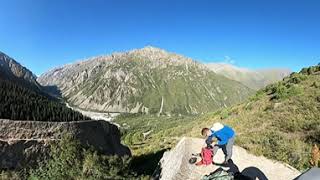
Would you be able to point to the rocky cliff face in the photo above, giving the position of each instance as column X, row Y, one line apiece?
column 148, row 80
column 23, row 142
column 15, row 72
column 254, row 79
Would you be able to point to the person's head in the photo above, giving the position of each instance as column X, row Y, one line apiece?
column 205, row 132
column 216, row 127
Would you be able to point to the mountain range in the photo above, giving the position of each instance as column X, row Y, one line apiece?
column 147, row 80
column 255, row 79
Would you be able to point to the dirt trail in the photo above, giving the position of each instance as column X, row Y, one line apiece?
column 175, row 164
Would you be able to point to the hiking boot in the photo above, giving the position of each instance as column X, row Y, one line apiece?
column 225, row 162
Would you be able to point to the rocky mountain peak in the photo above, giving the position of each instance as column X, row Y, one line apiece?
column 152, row 49
column 149, row 80
column 12, row 70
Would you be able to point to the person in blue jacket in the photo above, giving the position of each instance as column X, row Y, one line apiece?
column 225, row 136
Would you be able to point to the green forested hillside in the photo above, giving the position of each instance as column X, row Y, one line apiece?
column 20, row 103
column 280, row 122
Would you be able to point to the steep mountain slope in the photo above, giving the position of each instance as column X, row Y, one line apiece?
column 15, row 72
column 148, row 80
column 22, row 98
column 20, row 103
column 254, row 79
column 280, row 122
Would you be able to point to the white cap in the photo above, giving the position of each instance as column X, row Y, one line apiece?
column 217, row 126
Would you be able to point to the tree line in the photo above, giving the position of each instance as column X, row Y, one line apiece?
column 20, row 103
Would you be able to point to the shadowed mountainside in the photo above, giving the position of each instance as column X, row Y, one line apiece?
column 12, row 71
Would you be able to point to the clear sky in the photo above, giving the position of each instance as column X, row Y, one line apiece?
column 42, row 34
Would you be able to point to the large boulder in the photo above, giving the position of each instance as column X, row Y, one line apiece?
column 24, row 142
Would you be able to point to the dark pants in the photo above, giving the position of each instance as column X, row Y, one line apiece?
column 226, row 148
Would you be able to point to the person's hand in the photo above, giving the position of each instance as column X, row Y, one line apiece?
column 209, row 146
column 216, row 144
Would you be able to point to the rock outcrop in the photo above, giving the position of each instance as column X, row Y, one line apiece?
column 175, row 166
column 23, row 142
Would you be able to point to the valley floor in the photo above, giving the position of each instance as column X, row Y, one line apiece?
column 96, row 115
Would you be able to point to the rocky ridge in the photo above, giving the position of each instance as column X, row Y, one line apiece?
column 148, row 80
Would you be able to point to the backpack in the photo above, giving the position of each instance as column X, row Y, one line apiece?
column 218, row 175
column 206, row 155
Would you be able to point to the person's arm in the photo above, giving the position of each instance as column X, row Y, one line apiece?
column 209, row 140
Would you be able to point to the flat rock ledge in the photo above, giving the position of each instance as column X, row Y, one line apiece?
column 175, row 166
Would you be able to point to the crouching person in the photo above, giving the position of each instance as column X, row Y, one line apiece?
column 225, row 136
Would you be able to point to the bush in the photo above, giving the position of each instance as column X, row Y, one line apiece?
column 9, row 175
column 310, row 70
column 64, row 155
column 281, row 92
column 296, row 78
column 70, row 161
column 316, row 84
column 224, row 114
column 259, row 94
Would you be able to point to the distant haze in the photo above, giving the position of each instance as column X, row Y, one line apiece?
column 254, row 79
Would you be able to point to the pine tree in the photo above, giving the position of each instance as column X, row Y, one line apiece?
column 20, row 103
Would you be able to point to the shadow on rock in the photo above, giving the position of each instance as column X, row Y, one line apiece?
column 249, row 173
column 53, row 91
column 147, row 163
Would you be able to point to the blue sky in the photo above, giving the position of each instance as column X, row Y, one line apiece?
column 42, row 34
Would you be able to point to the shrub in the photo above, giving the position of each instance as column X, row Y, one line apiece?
column 70, row 161
column 224, row 114
column 9, row 175
column 257, row 96
column 281, row 92
column 296, row 78
column 310, row 70
column 315, row 84
column 64, row 155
